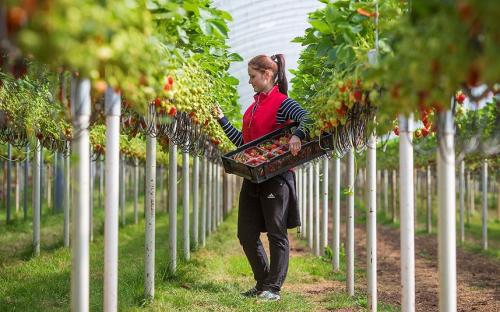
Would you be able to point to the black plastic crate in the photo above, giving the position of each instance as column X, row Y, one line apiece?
column 283, row 160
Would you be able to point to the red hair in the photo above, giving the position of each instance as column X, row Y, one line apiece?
column 276, row 64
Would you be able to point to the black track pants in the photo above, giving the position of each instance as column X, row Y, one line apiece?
column 264, row 207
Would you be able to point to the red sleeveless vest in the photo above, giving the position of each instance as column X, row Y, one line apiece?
column 263, row 120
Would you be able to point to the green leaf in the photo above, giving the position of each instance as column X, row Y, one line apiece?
column 332, row 55
column 206, row 14
column 231, row 80
column 225, row 15
column 191, row 7
column 323, row 47
column 321, row 26
column 235, row 57
column 205, row 27
column 220, row 27
column 182, row 35
column 356, row 28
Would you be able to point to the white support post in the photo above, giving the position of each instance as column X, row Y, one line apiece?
column 299, row 198
column 394, row 214
column 136, row 190
column 172, row 206
column 484, row 216
column 447, row 213
column 112, row 161
column 196, row 191
column 379, row 187
column 26, row 182
column 215, row 200
column 214, row 196
column 316, row 209
column 220, row 174
column 310, row 207
column 324, row 222
column 232, row 190
column 415, row 192
column 215, row 217
column 204, row 194
column 67, row 199
column 472, row 188
column 36, row 199
column 80, row 111
column 18, row 186
column 101, row 182
column 462, row 200
column 42, row 176
column 215, row 179
column 9, row 183
column 91, row 198
column 371, row 223
column 122, row 188
column 350, row 224
column 386, row 192
column 150, row 219
column 336, row 215
column 59, row 183
column 498, row 201
column 429, row 200
column 407, row 214
column 185, row 204
column 209, row 197
column 305, row 220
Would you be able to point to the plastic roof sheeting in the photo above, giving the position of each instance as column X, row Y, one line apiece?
column 265, row 27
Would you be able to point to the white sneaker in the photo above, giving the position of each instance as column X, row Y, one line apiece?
column 268, row 295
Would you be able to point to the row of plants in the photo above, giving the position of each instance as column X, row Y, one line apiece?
column 168, row 60
column 477, row 138
column 395, row 57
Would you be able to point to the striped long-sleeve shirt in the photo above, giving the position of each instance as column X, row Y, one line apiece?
column 288, row 110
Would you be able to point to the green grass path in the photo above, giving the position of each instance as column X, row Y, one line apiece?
column 210, row 281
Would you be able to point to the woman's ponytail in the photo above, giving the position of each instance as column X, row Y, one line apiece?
column 279, row 59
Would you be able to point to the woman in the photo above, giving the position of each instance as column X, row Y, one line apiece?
column 269, row 206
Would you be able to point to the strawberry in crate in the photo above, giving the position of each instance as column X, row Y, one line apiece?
column 255, row 161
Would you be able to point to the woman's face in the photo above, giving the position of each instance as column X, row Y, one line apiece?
column 260, row 81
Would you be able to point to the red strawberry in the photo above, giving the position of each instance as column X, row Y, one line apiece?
column 358, row 95
column 342, row 110
column 16, row 17
column 157, row 102
column 396, row 130
column 172, row 111
column 460, row 98
column 365, row 13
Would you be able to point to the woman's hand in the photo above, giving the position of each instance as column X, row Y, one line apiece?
column 217, row 111
column 295, row 145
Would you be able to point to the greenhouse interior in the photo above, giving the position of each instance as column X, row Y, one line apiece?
column 230, row 155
